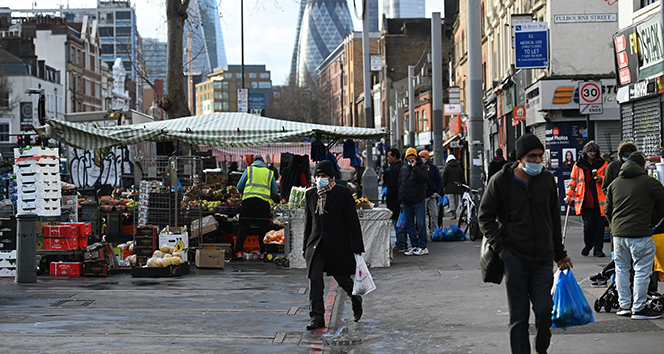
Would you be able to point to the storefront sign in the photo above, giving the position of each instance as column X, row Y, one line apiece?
column 639, row 50
column 452, row 109
column 456, row 126
column 519, row 113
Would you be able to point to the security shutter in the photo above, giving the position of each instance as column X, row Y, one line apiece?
column 647, row 125
column 627, row 120
column 608, row 135
column 539, row 131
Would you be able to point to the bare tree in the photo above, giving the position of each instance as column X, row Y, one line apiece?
column 174, row 102
column 293, row 102
column 7, row 104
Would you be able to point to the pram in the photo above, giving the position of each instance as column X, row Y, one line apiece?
column 609, row 300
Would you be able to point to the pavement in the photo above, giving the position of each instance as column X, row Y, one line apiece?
column 435, row 303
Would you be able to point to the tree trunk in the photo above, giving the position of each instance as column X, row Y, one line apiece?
column 174, row 102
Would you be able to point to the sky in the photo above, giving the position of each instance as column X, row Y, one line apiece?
column 269, row 27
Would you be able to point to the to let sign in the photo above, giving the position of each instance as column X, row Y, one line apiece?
column 532, row 45
column 590, row 98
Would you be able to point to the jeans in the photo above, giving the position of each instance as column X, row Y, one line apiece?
column 528, row 282
column 401, row 237
column 454, row 200
column 593, row 228
column 415, row 212
column 432, row 211
column 640, row 250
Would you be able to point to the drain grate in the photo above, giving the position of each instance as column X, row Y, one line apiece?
column 50, row 296
column 12, row 319
column 342, row 343
column 73, row 303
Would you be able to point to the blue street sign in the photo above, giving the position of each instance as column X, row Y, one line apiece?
column 256, row 100
column 532, row 45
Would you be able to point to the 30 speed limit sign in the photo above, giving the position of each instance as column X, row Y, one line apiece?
column 590, row 97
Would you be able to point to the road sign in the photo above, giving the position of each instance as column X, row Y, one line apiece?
column 242, row 100
column 532, row 45
column 590, row 97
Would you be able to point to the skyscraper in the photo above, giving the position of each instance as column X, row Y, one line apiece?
column 324, row 25
column 403, row 8
column 207, row 40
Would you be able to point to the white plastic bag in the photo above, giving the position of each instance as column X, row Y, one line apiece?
column 364, row 283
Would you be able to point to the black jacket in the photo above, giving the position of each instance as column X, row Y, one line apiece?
column 391, row 181
column 413, row 183
column 534, row 231
column 435, row 182
column 337, row 233
column 495, row 165
column 453, row 172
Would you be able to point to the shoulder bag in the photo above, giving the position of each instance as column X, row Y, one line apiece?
column 491, row 265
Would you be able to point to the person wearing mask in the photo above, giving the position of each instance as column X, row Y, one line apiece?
column 585, row 189
column 391, row 182
column 332, row 238
column 453, row 173
column 497, row 163
column 412, row 192
column 630, row 201
column 258, row 187
column 532, row 242
column 434, row 189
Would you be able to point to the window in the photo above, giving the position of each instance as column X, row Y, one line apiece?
column 645, row 3
column 217, row 84
column 217, row 106
column 225, row 106
column 106, row 32
column 78, row 57
column 238, row 75
column 92, row 63
column 123, row 15
column 110, row 64
column 228, row 75
column 217, row 95
column 127, row 65
column 72, row 56
column 252, row 75
column 121, row 48
column 79, row 86
column 225, row 85
column 254, row 84
column 109, row 17
column 265, row 75
column 123, row 31
column 4, row 131
column 264, row 85
column 4, row 101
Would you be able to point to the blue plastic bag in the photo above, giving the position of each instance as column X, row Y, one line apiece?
column 453, row 233
column 446, row 201
column 570, row 307
column 437, row 235
column 401, row 222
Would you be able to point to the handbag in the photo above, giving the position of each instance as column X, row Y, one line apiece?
column 491, row 266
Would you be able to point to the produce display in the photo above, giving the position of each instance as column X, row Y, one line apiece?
column 275, row 237
column 362, row 202
column 297, row 198
column 108, row 204
column 165, row 256
column 214, row 200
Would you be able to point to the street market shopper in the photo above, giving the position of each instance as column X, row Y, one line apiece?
column 585, row 189
column 452, row 174
column 412, row 193
column 391, row 181
column 332, row 236
column 630, row 200
column 625, row 149
column 434, row 189
column 532, row 241
column 258, row 186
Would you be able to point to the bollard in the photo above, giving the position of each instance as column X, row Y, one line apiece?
column 26, row 248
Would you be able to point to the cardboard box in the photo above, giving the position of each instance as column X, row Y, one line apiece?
column 60, row 231
column 143, row 252
column 208, row 224
column 179, row 239
column 66, row 269
column 212, row 178
column 96, row 255
column 95, row 269
column 147, row 230
column 60, row 244
column 227, row 247
column 210, row 258
column 84, row 228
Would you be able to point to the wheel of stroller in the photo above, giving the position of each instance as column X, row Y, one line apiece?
column 607, row 306
column 598, row 306
column 656, row 304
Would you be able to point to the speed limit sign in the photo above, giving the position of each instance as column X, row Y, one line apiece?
column 590, row 97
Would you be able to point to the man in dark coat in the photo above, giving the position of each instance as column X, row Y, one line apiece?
column 332, row 237
column 412, row 192
column 391, row 181
column 453, row 173
column 613, row 169
column 434, row 188
column 293, row 176
column 496, row 164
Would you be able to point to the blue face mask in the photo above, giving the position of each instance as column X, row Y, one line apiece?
column 533, row 169
column 624, row 159
column 322, row 182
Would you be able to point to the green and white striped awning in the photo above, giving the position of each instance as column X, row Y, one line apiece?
column 216, row 129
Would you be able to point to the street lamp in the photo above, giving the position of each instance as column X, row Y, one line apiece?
column 311, row 115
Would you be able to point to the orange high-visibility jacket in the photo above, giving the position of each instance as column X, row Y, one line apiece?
column 577, row 187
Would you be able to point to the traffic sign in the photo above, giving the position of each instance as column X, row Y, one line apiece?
column 531, row 45
column 243, row 100
column 590, row 97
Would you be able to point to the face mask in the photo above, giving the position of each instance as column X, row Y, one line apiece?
column 424, row 160
column 624, row 159
column 533, row 169
column 322, row 182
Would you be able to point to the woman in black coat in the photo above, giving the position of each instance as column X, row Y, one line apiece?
column 332, row 236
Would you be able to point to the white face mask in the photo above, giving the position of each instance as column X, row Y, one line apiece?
column 322, row 182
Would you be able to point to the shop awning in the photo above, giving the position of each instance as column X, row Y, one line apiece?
column 447, row 141
column 216, row 129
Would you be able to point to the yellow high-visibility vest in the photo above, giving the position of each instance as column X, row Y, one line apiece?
column 259, row 183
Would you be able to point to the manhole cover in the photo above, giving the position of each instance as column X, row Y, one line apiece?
column 50, row 296
column 12, row 319
column 73, row 303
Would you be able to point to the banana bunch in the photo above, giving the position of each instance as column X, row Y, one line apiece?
column 179, row 246
column 358, row 201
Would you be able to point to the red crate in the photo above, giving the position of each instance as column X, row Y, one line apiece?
column 61, row 231
column 84, row 228
column 66, row 269
column 60, row 244
column 82, row 241
column 251, row 244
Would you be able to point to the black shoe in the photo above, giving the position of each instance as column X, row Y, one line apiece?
column 646, row 314
column 586, row 251
column 357, row 307
column 316, row 323
column 599, row 254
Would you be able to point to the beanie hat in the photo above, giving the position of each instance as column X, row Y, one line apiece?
column 450, row 158
column 326, row 167
column 526, row 143
column 424, row 154
column 411, row 151
column 258, row 158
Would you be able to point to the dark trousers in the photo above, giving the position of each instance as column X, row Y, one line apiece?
column 317, row 286
column 528, row 282
column 593, row 228
column 254, row 211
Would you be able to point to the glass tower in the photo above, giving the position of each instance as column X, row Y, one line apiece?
column 207, row 40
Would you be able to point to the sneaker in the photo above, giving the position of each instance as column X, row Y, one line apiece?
column 624, row 312
column 421, row 252
column 598, row 280
column 411, row 251
column 646, row 314
column 399, row 249
column 238, row 256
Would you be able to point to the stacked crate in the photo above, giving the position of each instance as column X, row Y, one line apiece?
column 38, row 181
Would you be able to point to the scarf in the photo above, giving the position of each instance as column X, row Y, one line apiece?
column 322, row 196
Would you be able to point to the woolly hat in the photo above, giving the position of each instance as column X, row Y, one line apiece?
column 326, row 167
column 411, row 151
column 424, row 154
column 450, row 158
column 258, row 158
column 526, row 143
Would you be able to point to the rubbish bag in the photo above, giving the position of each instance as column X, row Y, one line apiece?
column 363, row 283
column 446, row 201
column 570, row 307
column 437, row 235
column 401, row 222
column 453, row 233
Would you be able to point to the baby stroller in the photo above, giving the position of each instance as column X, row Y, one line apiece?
column 609, row 300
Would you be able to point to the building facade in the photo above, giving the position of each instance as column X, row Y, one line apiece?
column 220, row 92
